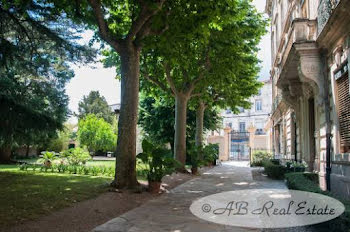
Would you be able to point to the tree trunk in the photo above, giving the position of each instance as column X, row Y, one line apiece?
column 180, row 127
column 27, row 151
column 5, row 154
column 125, row 176
column 199, row 124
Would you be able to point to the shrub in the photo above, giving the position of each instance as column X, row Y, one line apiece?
column 258, row 157
column 300, row 181
column 210, row 153
column 309, row 182
column 275, row 161
column 158, row 161
column 261, row 155
column 72, row 169
column 274, row 171
column 76, row 156
column 193, row 152
column 256, row 163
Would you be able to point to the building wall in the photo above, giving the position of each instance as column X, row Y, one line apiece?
column 220, row 140
column 310, row 41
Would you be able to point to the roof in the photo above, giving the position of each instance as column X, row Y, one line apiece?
column 115, row 107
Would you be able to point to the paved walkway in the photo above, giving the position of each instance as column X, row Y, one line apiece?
column 170, row 212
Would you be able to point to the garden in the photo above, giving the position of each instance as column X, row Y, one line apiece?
column 37, row 186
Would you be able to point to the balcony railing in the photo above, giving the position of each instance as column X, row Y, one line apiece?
column 239, row 135
column 324, row 11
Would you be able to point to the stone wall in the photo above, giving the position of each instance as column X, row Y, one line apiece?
column 223, row 154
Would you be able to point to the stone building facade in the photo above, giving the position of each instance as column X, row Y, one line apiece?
column 310, row 118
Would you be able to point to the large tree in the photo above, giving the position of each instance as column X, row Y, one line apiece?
column 157, row 119
column 95, row 104
column 217, row 44
column 123, row 25
column 35, row 48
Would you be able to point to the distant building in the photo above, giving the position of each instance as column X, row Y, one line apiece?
column 246, row 130
column 115, row 108
column 256, row 116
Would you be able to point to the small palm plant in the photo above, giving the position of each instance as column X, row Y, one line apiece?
column 48, row 158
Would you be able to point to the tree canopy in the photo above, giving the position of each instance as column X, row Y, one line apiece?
column 157, row 119
column 95, row 104
column 96, row 134
column 37, row 42
column 213, row 50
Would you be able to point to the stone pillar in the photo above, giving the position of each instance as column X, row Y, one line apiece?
column 227, row 142
column 251, row 130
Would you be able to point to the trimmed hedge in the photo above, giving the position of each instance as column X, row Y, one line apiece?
column 274, row 171
column 309, row 182
column 303, row 181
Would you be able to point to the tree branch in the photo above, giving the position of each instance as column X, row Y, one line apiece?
column 196, row 94
column 207, row 66
column 169, row 78
column 144, row 21
column 158, row 83
column 104, row 31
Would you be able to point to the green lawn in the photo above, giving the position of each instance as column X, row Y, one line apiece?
column 106, row 163
column 26, row 195
column 29, row 194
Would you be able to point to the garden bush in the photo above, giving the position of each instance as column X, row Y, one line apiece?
column 309, row 182
column 71, row 169
column 274, row 171
column 258, row 157
column 210, row 154
column 76, row 156
column 303, row 181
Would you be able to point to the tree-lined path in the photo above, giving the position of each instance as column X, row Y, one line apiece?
column 170, row 212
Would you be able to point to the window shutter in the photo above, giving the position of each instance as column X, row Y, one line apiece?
column 349, row 66
column 344, row 111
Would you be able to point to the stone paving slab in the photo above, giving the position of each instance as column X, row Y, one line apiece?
column 170, row 212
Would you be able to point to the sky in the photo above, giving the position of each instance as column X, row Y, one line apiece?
column 95, row 77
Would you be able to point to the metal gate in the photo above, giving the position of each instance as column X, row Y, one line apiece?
column 239, row 145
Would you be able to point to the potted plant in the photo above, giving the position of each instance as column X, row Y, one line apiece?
column 48, row 158
column 299, row 167
column 288, row 165
column 158, row 162
column 194, row 154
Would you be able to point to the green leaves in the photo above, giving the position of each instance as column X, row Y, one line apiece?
column 158, row 159
column 96, row 134
column 96, row 104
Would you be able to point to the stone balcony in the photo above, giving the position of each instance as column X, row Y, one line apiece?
column 297, row 66
column 301, row 31
column 331, row 13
